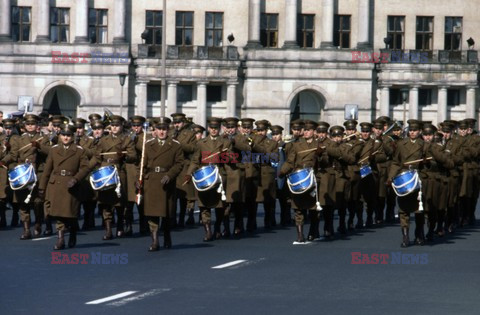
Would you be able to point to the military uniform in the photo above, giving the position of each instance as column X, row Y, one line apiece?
column 65, row 167
column 164, row 160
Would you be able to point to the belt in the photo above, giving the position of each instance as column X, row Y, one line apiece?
column 158, row 169
column 64, row 173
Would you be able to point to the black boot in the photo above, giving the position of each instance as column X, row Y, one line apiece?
column 226, row 227
column 181, row 218
column 167, row 237
column 27, row 234
column 405, row 239
column 154, row 246
column 300, row 237
column 3, row 218
column 190, row 221
column 72, row 239
column 60, row 241
column 15, row 219
column 108, row 231
column 48, row 227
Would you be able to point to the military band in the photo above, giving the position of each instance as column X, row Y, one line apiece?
column 417, row 169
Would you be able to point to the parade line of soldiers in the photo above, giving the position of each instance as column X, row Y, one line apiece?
column 353, row 168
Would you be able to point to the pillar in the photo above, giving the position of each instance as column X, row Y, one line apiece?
column 290, row 24
column 172, row 98
column 327, row 24
column 442, row 104
column 254, row 24
column 119, row 18
column 5, row 22
column 413, row 102
column 81, row 25
column 43, row 21
column 385, row 101
column 231, row 99
column 363, row 24
column 141, row 107
column 471, row 106
column 201, row 118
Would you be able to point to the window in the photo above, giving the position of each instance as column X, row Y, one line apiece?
column 453, row 33
column 154, row 93
column 395, row 97
column 396, row 32
column 60, row 25
column 153, row 25
column 184, row 29
column 424, row 40
column 214, row 29
column 453, row 97
column 424, row 97
column 341, row 31
column 306, row 30
column 269, row 30
column 214, row 93
column 97, row 26
column 21, row 23
column 184, row 93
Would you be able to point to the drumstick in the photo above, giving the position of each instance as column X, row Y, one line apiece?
column 367, row 157
column 27, row 145
column 107, row 153
column 417, row 161
column 212, row 155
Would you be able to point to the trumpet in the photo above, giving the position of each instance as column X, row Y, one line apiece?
column 357, row 133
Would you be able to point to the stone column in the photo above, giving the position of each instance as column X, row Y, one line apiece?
column 119, row 19
column 471, row 109
column 231, row 99
column 442, row 104
column 81, row 24
column 5, row 22
column 43, row 21
column 327, row 24
column 385, row 101
column 254, row 24
column 141, row 106
column 172, row 98
column 363, row 24
column 290, row 24
column 413, row 102
column 201, row 117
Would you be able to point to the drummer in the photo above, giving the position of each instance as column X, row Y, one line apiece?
column 410, row 151
column 66, row 166
column 211, row 146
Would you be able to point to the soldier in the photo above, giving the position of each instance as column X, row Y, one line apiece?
column 185, row 193
column 30, row 148
column 407, row 155
column 303, row 156
column 199, row 131
column 266, row 187
column 66, row 166
column 206, row 153
column 321, row 134
column 235, row 170
column 133, row 173
column 475, row 166
column 5, row 191
column 396, row 135
column 163, row 162
column 199, row 134
column 114, row 149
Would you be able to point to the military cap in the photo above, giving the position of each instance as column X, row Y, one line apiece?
column 43, row 115
column 462, row 124
column 58, row 120
column 276, row 130
column 471, row 122
column 31, row 118
column 379, row 124
column 231, row 122
column 178, row 117
column 385, row 119
column 366, row 127
column 262, row 124
column 137, row 120
column 80, row 122
column 214, row 122
column 247, row 122
column 198, row 128
column 116, row 119
column 67, row 129
column 336, row 131
column 297, row 124
column 397, row 126
column 162, row 122
column 428, row 129
column 310, row 124
column 414, row 124
column 323, row 126
column 350, row 124
column 454, row 123
column 97, row 124
column 94, row 116
column 8, row 123
column 189, row 120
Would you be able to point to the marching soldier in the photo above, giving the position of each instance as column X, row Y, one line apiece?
column 302, row 156
column 66, row 166
column 475, row 167
column 211, row 146
column 31, row 148
column 163, row 162
column 185, row 193
column 5, row 191
column 323, row 141
column 114, row 149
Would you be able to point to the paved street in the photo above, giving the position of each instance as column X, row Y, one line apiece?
column 260, row 274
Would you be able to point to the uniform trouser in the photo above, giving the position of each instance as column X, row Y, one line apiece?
column 314, row 216
column 207, row 217
column 37, row 210
column 328, row 216
column 285, row 205
column 299, row 216
column 353, row 206
column 64, row 223
column 251, row 214
column 89, row 213
column 379, row 209
column 391, row 202
column 409, row 204
column 108, row 213
column 269, row 207
column 3, row 208
column 154, row 223
column 237, row 209
column 464, row 206
column 369, row 196
column 129, row 213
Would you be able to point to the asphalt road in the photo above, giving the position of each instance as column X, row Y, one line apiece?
column 264, row 274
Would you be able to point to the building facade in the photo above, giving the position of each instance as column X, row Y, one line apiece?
column 275, row 59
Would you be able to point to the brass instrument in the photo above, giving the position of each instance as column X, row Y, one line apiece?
column 357, row 133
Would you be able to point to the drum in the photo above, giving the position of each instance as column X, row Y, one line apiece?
column 301, row 181
column 22, row 176
column 406, row 183
column 206, row 177
column 104, row 178
column 365, row 170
